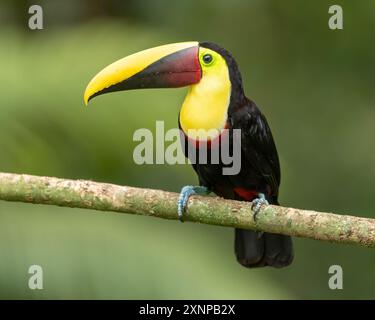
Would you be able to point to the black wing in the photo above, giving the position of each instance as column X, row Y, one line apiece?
column 257, row 145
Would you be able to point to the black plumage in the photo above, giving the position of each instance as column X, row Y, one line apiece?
column 260, row 173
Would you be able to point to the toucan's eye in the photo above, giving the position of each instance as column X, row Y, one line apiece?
column 207, row 58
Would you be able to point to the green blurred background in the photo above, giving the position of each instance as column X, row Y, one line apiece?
column 315, row 85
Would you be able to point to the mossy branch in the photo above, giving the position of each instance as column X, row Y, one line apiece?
column 209, row 210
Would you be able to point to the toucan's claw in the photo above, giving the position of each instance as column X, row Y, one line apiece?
column 185, row 194
column 257, row 204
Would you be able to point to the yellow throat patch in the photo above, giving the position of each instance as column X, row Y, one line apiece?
column 205, row 108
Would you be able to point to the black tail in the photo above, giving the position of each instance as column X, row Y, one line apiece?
column 257, row 249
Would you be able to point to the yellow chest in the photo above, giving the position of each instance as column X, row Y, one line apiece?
column 205, row 108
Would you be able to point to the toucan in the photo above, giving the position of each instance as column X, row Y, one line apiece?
column 215, row 102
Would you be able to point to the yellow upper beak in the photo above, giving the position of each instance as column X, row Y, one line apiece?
column 114, row 76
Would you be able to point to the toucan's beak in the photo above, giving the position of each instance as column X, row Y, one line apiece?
column 169, row 66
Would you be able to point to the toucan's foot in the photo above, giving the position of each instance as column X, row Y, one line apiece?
column 257, row 204
column 185, row 193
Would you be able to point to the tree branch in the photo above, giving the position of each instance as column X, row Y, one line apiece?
column 209, row 210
